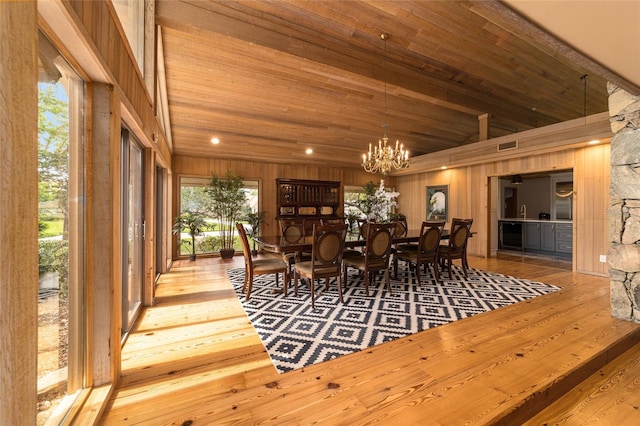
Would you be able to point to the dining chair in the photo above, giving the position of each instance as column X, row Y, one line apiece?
column 292, row 230
column 326, row 258
column 399, row 231
column 427, row 251
column 253, row 267
column 376, row 256
column 332, row 221
column 362, row 228
column 457, row 246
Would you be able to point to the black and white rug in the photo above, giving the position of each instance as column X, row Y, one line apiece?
column 295, row 335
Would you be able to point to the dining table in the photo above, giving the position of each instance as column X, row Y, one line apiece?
column 279, row 244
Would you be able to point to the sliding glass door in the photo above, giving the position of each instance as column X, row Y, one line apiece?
column 133, row 227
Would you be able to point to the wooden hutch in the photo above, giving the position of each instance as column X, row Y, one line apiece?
column 308, row 200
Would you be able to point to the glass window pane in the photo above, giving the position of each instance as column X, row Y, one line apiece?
column 194, row 199
column 131, row 16
column 61, row 233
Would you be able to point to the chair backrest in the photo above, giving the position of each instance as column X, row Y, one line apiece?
column 460, row 231
column 379, row 240
column 400, row 229
column 328, row 245
column 291, row 229
column 430, row 235
column 309, row 223
column 246, row 249
column 362, row 228
column 332, row 221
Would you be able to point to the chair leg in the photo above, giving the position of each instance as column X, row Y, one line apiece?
column 344, row 272
column 249, row 285
column 296, row 277
column 449, row 266
column 436, row 271
column 464, row 269
column 313, row 292
column 339, row 279
column 386, row 277
column 417, row 271
column 285, row 284
column 395, row 266
column 366, row 282
column 245, row 282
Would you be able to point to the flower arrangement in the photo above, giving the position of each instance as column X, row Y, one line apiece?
column 378, row 202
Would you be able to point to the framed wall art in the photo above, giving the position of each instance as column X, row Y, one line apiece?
column 438, row 202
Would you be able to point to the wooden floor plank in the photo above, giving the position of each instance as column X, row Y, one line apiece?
column 194, row 356
column 609, row 396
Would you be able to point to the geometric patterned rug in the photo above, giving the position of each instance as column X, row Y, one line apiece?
column 295, row 335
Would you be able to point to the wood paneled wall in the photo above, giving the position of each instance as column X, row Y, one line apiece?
column 267, row 174
column 469, row 192
column 591, row 178
column 101, row 23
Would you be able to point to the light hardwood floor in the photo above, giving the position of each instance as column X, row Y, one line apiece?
column 194, row 358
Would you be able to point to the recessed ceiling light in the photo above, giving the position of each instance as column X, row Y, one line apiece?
column 443, row 167
column 215, row 141
column 309, row 151
column 594, row 142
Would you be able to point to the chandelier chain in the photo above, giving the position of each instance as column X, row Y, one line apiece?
column 383, row 158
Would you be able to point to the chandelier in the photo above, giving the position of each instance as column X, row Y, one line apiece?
column 383, row 158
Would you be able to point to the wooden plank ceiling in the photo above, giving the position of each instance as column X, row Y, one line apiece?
column 273, row 78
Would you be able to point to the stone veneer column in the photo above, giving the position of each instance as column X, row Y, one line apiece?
column 624, row 207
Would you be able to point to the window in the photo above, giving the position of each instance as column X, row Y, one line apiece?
column 131, row 15
column 193, row 198
column 61, row 222
column 353, row 196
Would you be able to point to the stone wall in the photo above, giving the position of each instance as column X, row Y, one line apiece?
column 624, row 208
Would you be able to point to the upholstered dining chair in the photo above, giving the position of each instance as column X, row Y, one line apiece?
column 362, row 228
column 292, row 230
column 400, row 230
column 376, row 256
column 326, row 258
column 428, row 250
column 332, row 221
column 253, row 267
column 457, row 247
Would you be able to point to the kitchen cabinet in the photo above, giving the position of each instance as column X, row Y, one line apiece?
column 532, row 240
column 536, row 236
column 564, row 238
column 548, row 236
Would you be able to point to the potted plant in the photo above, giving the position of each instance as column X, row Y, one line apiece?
column 195, row 224
column 227, row 199
column 255, row 221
